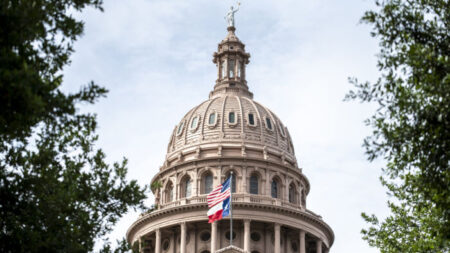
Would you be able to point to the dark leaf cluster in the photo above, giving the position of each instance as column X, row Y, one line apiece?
column 412, row 124
column 57, row 192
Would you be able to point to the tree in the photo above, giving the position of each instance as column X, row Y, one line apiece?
column 411, row 127
column 57, row 193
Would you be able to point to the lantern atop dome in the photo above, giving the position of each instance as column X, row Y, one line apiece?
column 230, row 60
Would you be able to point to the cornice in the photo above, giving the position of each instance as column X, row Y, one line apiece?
column 306, row 216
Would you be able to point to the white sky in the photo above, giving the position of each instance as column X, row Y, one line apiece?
column 155, row 57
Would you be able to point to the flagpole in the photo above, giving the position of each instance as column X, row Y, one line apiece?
column 231, row 209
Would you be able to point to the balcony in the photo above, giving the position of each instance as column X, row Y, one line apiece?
column 237, row 198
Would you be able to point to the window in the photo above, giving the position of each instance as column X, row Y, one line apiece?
column 291, row 193
column 253, row 184
column 251, row 119
column 294, row 246
column 303, row 198
column 231, row 117
column 227, row 235
column 274, row 189
column 233, row 182
column 187, row 187
column 238, row 68
column 180, row 128
column 255, row 236
column 283, row 133
column 194, row 122
column 205, row 236
column 231, row 69
column 166, row 245
column 224, row 69
column 212, row 119
column 268, row 123
column 208, row 183
column 169, row 192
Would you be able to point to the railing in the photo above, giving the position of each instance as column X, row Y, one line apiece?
column 252, row 198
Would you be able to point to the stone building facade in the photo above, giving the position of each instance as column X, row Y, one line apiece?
column 230, row 132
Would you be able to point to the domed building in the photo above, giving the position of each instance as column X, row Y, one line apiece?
column 230, row 132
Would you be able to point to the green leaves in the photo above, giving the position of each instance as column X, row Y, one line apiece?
column 57, row 193
column 411, row 125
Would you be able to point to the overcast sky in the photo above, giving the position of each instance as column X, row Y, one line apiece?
column 155, row 57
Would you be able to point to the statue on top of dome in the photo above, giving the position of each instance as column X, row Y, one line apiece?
column 230, row 15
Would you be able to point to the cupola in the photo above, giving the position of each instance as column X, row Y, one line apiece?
column 231, row 60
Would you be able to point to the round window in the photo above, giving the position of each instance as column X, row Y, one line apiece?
column 255, row 236
column 227, row 235
column 205, row 236
column 166, row 245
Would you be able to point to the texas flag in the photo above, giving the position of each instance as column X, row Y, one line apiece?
column 219, row 201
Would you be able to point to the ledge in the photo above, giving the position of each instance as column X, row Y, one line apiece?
column 304, row 215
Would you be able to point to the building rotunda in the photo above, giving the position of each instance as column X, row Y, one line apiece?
column 230, row 132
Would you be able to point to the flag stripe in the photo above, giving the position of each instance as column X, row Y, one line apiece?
column 219, row 201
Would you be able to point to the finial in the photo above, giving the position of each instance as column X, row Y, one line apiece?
column 230, row 15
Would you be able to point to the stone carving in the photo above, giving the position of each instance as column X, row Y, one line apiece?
column 230, row 15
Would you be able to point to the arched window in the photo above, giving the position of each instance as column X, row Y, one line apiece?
column 231, row 68
column 303, row 198
column 208, row 183
column 169, row 192
column 238, row 68
column 224, row 69
column 274, row 189
column 254, row 184
column 233, row 181
column 186, row 187
column 268, row 123
column 292, row 194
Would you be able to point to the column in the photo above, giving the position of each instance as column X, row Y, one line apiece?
column 277, row 238
column 247, row 235
column 319, row 246
column 140, row 245
column 158, row 241
column 183, row 238
column 302, row 242
column 213, row 236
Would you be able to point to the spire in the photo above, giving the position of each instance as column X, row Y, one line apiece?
column 230, row 60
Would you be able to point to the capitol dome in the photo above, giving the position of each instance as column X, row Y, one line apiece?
column 230, row 118
column 231, row 134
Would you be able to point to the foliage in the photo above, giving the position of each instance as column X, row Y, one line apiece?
column 36, row 40
column 155, row 186
column 411, row 125
column 57, row 193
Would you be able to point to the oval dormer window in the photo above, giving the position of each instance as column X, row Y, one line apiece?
column 268, row 123
column 194, row 122
column 251, row 119
column 231, row 118
column 212, row 119
column 180, row 128
column 283, row 133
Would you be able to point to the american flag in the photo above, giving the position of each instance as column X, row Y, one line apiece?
column 220, row 193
